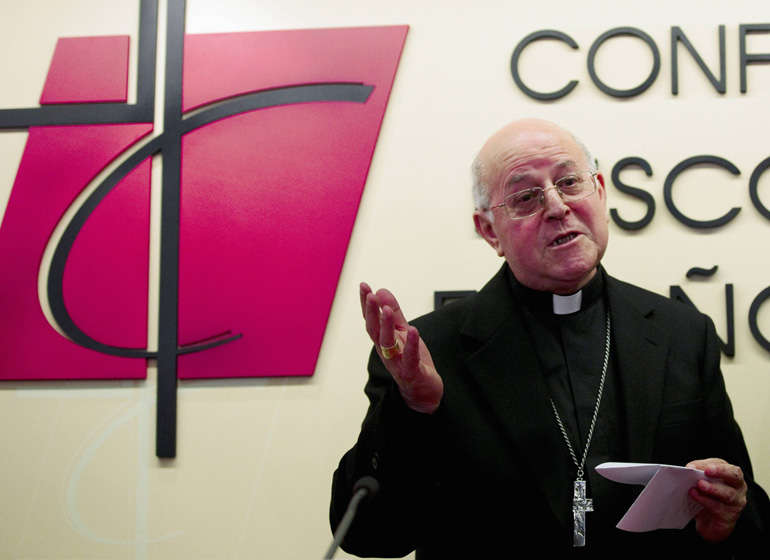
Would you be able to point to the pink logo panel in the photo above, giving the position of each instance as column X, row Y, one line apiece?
column 267, row 205
column 266, row 145
column 221, row 65
column 88, row 70
column 106, row 276
column 58, row 162
column 269, row 197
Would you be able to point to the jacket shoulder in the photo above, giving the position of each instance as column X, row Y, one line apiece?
column 651, row 303
column 682, row 324
column 478, row 314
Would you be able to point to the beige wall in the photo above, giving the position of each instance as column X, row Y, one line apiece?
column 79, row 478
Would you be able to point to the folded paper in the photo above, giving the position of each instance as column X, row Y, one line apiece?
column 665, row 503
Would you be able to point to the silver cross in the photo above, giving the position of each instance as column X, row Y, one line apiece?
column 580, row 505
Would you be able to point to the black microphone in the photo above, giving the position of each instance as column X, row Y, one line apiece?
column 364, row 489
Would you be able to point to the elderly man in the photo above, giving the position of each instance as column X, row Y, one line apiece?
column 489, row 416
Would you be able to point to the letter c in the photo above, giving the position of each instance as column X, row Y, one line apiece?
column 543, row 34
column 669, row 186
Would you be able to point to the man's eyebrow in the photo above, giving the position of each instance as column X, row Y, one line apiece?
column 566, row 164
column 562, row 166
column 514, row 180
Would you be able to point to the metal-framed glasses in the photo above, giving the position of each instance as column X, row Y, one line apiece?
column 571, row 188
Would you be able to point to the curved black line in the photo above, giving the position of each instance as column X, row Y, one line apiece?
column 356, row 93
column 537, row 35
column 61, row 255
column 620, row 31
column 695, row 271
column 313, row 93
column 668, row 187
column 214, row 341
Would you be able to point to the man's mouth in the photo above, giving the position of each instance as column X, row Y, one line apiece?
column 565, row 239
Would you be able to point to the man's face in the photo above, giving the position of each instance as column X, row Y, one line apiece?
column 557, row 249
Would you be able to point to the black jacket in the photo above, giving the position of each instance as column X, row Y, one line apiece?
column 488, row 471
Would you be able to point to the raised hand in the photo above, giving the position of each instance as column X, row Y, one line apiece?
column 402, row 351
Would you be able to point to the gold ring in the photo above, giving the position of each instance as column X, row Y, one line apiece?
column 391, row 351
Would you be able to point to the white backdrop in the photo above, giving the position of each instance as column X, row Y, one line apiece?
column 255, row 457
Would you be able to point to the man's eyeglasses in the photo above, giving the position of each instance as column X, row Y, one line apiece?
column 529, row 202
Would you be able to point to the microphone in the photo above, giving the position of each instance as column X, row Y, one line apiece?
column 364, row 489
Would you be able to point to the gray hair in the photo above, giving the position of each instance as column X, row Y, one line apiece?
column 481, row 191
column 481, row 198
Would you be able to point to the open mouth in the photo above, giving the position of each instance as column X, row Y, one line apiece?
column 565, row 239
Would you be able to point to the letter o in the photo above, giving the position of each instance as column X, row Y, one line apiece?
column 615, row 33
column 753, row 323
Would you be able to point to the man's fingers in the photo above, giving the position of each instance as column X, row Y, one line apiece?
column 721, row 469
column 363, row 291
column 384, row 320
column 401, row 350
column 730, row 474
column 372, row 317
column 411, row 355
column 723, row 495
column 386, row 298
column 703, row 464
column 719, row 492
column 387, row 336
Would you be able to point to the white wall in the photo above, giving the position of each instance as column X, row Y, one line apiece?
column 79, row 478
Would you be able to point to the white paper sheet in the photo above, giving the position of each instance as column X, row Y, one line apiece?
column 665, row 503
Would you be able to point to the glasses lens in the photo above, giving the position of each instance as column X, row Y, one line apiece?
column 576, row 186
column 523, row 203
column 571, row 188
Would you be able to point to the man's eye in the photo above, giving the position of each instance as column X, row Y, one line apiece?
column 568, row 182
column 523, row 197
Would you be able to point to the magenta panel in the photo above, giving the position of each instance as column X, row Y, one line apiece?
column 88, row 70
column 107, row 274
column 269, row 198
column 58, row 162
column 221, row 65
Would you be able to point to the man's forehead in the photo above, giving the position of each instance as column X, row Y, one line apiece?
column 512, row 147
column 527, row 132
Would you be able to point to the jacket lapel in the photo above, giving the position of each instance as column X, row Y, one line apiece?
column 641, row 350
column 508, row 374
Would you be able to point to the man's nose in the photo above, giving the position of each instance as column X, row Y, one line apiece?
column 553, row 204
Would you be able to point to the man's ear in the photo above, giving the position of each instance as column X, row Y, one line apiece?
column 601, row 187
column 485, row 228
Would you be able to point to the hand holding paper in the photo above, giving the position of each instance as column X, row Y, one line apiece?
column 665, row 503
column 722, row 495
column 711, row 490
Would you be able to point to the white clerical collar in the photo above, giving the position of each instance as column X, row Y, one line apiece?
column 564, row 305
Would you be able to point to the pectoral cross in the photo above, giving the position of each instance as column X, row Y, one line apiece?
column 580, row 505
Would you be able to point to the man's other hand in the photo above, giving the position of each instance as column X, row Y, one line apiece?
column 723, row 499
column 410, row 362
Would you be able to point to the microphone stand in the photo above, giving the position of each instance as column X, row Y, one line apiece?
column 365, row 488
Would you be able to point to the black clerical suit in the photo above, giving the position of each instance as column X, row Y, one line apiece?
column 488, row 475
